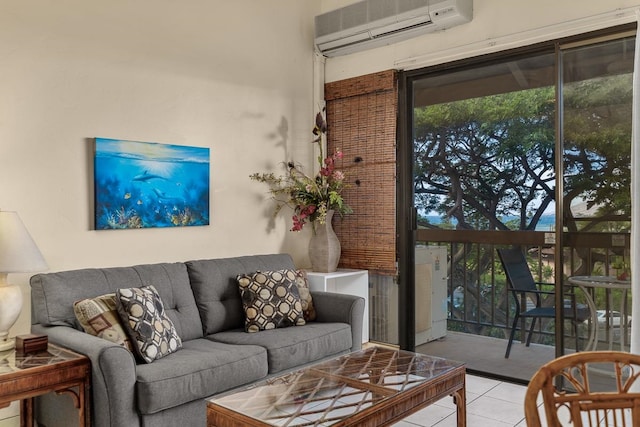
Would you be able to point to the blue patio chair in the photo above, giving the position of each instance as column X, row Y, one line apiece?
column 522, row 285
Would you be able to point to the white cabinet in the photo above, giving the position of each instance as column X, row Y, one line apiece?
column 344, row 281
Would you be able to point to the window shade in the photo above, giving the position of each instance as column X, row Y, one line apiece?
column 361, row 120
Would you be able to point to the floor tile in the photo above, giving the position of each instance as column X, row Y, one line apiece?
column 513, row 393
column 430, row 415
column 489, row 403
column 404, row 423
column 522, row 423
column 480, row 385
column 473, row 420
column 497, row 409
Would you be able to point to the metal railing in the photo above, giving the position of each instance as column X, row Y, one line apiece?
column 479, row 301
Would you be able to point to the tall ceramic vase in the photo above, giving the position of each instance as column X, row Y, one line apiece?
column 324, row 247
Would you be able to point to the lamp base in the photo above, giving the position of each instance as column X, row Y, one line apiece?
column 9, row 344
column 10, row 307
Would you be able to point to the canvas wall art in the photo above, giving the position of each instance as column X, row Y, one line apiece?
column 147, row 184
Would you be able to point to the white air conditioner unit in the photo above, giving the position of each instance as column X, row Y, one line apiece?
column 431, row 303
column 372, row 23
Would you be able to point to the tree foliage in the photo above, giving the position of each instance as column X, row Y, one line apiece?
column 597, row 141
column 480, row 160
column 484, row 160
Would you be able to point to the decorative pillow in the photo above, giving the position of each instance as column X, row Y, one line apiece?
column 270, row 300
column 99, row 317
column 308, row 310
column 152, row 333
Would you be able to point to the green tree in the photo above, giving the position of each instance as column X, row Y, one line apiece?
column 483, row 159
column 597, row 155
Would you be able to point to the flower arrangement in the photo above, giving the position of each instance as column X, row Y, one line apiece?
column 309, row 197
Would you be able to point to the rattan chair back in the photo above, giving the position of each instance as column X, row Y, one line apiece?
column 592, row 388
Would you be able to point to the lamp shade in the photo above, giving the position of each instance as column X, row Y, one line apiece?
column 18, row 251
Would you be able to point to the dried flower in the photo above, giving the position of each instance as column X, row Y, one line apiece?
column 309, row 197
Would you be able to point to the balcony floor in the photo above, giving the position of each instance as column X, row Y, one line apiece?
column 485, row 355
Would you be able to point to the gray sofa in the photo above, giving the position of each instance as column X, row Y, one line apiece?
column 202, row 299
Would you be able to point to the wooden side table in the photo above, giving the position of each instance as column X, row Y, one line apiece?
column 23, row 377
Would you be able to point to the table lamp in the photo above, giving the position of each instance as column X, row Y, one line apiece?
column 18, row 254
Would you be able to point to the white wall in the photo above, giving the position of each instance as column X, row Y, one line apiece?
column 496, row 25
column 234, row 76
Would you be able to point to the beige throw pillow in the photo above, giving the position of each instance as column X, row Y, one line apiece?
column 99, row 317
column 308, row 308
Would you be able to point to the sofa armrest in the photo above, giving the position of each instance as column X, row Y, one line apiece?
column 113, row 376
column 332, row 307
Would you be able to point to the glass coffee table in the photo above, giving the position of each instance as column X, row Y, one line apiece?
column 372, row 387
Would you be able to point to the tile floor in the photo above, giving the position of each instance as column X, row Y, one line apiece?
column 490, row 403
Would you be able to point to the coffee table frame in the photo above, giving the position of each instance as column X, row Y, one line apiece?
column 380, row 386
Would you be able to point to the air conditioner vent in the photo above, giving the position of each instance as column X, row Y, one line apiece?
column 372, row 23
column 354, row 15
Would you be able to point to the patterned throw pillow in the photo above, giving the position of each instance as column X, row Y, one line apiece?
column 270, row 300
column 152, row 333
column 308, row 309
column 99, row 317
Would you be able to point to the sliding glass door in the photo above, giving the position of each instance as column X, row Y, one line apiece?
column 528, row 149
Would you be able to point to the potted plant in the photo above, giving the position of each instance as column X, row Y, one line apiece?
column 622, row 269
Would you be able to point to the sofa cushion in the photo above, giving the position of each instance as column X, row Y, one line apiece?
column 53, row 294
column 200, row 369
column 270, row 300
column 216, row 290
column 151, row 331
column 291, row 347
column 99, row 317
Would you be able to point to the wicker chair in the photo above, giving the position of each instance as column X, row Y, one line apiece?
column 599, row 388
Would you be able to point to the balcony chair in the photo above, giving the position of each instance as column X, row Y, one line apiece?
column 599, row 388
column 522, row 285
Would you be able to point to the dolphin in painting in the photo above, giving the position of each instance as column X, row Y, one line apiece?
column 146, row 176
column 163, row 197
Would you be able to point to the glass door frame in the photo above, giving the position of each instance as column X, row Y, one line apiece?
column 406, row 215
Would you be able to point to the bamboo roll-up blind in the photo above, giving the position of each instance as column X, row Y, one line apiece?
column 361, row 119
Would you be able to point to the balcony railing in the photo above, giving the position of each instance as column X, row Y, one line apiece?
column 479, row 301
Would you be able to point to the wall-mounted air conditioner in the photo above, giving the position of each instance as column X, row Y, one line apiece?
column 372, row 23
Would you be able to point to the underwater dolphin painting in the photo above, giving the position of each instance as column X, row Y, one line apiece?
column 142, row 184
